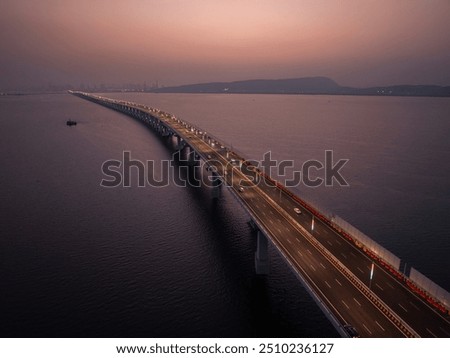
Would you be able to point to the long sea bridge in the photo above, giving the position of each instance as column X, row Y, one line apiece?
column 355, row 282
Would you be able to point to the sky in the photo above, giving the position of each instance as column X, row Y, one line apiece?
column 355, row 42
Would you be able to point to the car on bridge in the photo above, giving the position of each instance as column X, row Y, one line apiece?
column 297, row 211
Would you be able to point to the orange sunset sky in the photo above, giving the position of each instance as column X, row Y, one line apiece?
column 355, row 42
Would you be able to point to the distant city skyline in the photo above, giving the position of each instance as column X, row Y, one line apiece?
column 54, row 43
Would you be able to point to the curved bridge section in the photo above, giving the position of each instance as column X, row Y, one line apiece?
column 357, row 290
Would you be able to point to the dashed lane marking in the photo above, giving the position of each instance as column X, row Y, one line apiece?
column 431, row 332
column 368, row 330
column 345, row 304
column 403, row 308
column 379, row 325
column 340, row 284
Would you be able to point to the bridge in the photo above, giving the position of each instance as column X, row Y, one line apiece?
column 352, row 284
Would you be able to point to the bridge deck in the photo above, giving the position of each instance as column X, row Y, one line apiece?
column 335, row 270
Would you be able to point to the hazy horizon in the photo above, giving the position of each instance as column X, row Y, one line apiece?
column 355, row 43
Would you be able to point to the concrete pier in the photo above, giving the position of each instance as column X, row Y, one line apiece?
column 261, row 255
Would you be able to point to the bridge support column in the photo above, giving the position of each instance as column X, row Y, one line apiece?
column 216, row 185
column 191, row 157
column 261, row 255
column 180, row 144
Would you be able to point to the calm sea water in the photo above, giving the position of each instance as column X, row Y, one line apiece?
column 77, row 259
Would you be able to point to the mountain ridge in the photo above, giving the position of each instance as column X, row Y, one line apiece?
column 305, row 85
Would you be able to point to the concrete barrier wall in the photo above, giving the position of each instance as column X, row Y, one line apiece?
column 433, row 289
column 373, row 246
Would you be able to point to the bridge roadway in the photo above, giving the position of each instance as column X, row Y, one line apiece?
column 334, row 270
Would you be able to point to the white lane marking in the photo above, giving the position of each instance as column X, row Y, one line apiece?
column 314, row 269
column 329, row 243
column 360, row 269
column 352, row 253
column 257, row 206
column 300, row 253
column 264, row 204
column 381, row 288
column 309, row 251
column 289, row 240
column 321, row 264
column 412, row 304
column 340, row 284
column 287, row 227
column 271, row 221
column 431, row 333
column 354, row 299
column 443, row 330
column 339, row 243
column 379, row 325
column 387, row 283
column 264, row 213
column 404, row 309
column 368, row 330
column 345, row 304
column 327, row 284
column 345, row 256
column 280, row 233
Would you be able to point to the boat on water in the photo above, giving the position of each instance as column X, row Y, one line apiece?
column 71, row 123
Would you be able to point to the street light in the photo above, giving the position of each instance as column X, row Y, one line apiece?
column 371, row 275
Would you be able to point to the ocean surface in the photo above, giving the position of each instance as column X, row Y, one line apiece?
column 81, row 260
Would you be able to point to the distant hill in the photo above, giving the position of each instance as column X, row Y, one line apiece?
column 305, row 85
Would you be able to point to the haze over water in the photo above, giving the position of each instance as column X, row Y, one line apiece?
column 81, row 260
